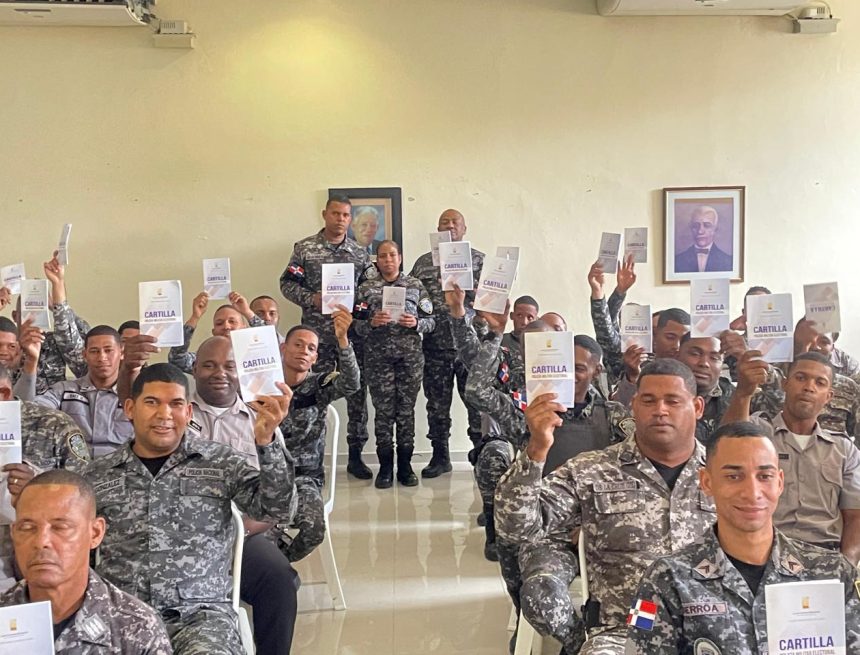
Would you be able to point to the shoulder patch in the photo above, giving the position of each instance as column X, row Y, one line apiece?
column 371, row 273
column 93, row 627
column 425, row 305
column 195, row 425
column 78, row 447
column 705, row 647
column 627, row 426
column 642, row 615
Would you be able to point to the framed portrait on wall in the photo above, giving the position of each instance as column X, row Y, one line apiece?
column 376, row 216
column 704, row 228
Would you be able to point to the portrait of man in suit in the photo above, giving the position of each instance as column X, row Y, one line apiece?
column 365, row 228
column 703, row 256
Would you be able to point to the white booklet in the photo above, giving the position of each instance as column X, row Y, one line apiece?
column 216, row 277
column 806, row 617
column 161, row 311
column 636, row 244
column 635, row 327
column 10, row 453
column 63, row 249
column 550, row 366
column 27, row 628
column 770, row 327
column 455, row 262
column 435, row 239
column 338, row 287
column 11, row 277
column 709, row 302
column 36, row 304
column 822, row 306
column 610, row 246
column 258, row 360
column 394, row 301
column 508, row 252
column 494, row 287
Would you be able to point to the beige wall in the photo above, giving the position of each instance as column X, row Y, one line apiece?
column 543, row 122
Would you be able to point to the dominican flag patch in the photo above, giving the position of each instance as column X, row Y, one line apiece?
column 519, row 399
column 296, row 271
column 642, row 615
column 504, row 373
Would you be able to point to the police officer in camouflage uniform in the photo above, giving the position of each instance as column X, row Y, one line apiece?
column 703, row 356
column 304, row 428
column 842, row 362
column 393, row 361
column 635, row 500
column 235, row 316
column 301, row 283
column 167, row 502
column 90, row 615
column 709, row 598
column 604, row 314
column 49, row 439
column 441, row 363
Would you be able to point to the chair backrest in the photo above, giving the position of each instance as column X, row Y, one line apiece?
column 583, row 568
column 332, row 430
column 238, row 547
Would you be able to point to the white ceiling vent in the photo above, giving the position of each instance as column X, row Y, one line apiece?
column 83, row 13
column 697, row 7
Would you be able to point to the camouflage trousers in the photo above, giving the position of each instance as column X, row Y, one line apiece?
column 607, row 642
column 393, row 371
column 548, row 568
column 356, row 404
column 203, row 630
column 495, row 457
column 309, row 520
column 510, row 567
column 441, row 368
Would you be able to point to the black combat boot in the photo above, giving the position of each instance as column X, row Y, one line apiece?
column 440, row 462
column 385, row 477
column 355, row 466
column 405, row 475
column 490, row 551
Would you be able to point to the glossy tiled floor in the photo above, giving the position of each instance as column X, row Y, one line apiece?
column 413, row 572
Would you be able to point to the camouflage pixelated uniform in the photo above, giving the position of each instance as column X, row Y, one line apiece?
column 170, row 538
column 108, row 621
column 840, row 415
column 442, row 366
column 845, row 364
column 716, row 404
column 702, row 599
column 604, row 317
column 394, row 359
column 627, row 512
column 61, row 348
column 304, row 431
column 50, row 440
column 299, row 282
column 184, row 359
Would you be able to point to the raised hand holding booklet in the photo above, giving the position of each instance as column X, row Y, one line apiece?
column 11, row 277
column 216, row 277
column 806, row 618
column 35, row 304
column 161, row 311
column 338, row 287
column 494, row 287
column 610, row 246
column 822, row 306
column 435, row 239
column 709, row 305
column 258, row 359
column 550, row 366
column 10, row 452
column 455, row 262
column 635, row 327
column 394, row 302
column 636, row 244
column 770, row 327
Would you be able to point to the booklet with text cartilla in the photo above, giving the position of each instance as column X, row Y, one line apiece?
column 822, row 306
column 161, row 311
column 258, row 361
column 216, row 277
column 709, row 307
column 455, row 263
column 435, row 239
column 806, row 618
column 636, row 244
column 635, row 327
column 36, row 304
column 770, row 327
column 494, row 287
column 550, row 366
column 338, row 287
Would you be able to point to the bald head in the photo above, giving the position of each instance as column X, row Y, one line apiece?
column 215, row 374
column 453, row 221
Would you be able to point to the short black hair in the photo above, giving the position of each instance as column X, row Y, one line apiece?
column 812, row 356
column 589, row 344
column 759, row 290
column 673, row 314
column 297, row 328
column 688, row 336
column 338, row 197
column 666, row 366
column 8, row 325
column 160, row 372
column 66, row 478
column 262, row 298
column 527, row 300
column 128, row 325
column 738, row 429
column 102, row 331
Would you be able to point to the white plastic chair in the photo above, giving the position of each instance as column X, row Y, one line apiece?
column 326, row 548
column 244, row 624
column 529, row 641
